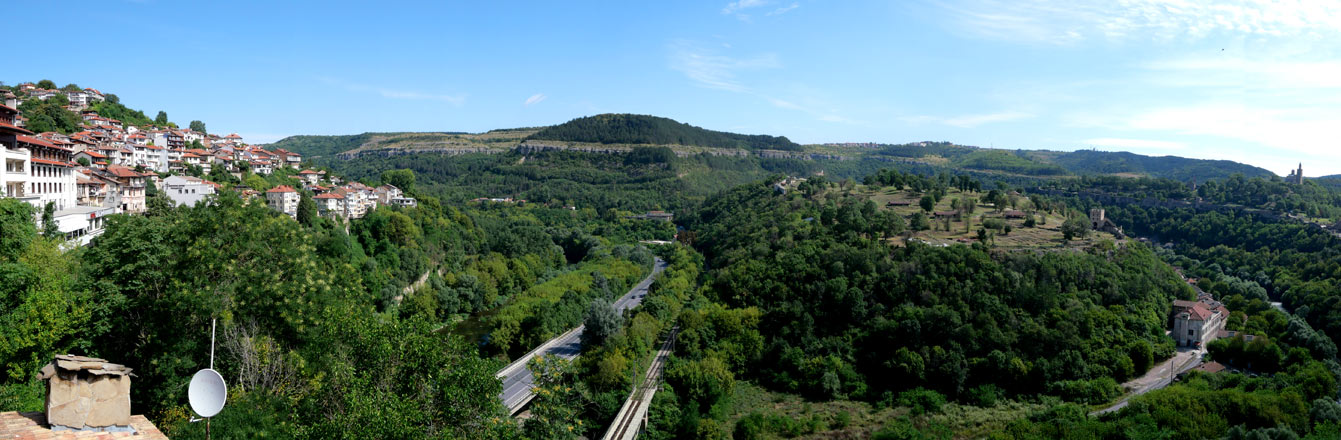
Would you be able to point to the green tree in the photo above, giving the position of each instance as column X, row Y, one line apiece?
column 49, row 227
column 307, row 210
column 197, row 126
column 46, row 84
column 558, row 402
column 601, row 322
column 83, row 161
column 927, row 203
column 1075, row 227
column 161, row 119
column 919, row 222
column 402, row 178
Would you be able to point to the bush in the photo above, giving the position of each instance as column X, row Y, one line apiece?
column 922, row 401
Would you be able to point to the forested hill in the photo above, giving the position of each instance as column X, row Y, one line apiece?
column 644, row 129
column 317, row 145
column 1169, row 167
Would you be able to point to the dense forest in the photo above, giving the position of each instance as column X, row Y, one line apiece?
column 1169, row 167
column 1080, row 162
column 644, row 129
column 392, row 326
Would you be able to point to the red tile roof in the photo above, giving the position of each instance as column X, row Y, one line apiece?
column 282, row 189
column 330, row 195
column 52, row 162
column 121, row 171
column 15, row 128
column 38, row 141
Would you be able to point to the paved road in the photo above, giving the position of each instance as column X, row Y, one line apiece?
column 1157, row 377
column 517, row 379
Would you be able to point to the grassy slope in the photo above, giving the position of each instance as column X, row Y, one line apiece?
column 1044, row 236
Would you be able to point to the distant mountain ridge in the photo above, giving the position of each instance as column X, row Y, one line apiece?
column 621, row 132
column 1169, row 167
column 622, row 128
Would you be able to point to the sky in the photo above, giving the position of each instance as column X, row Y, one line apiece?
column 1248, row 81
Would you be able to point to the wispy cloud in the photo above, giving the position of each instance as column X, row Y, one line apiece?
column 709, row 68
column 742, row 9
column 535, row 99
column 1067, row 22
column 456, row 100
column 716, row 71
column 784, row 9
column 741, row 5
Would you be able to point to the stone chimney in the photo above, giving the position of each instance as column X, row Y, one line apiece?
column 87, row 394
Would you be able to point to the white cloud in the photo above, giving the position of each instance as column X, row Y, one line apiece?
column 784, row 9
column 1065, row 22
column 741, row 5
column 535, row 99
column 456, row 100
column 1136, row 144
column 1306, row 130
column 716, row 71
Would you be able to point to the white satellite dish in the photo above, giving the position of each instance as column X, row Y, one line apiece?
column 207, row 392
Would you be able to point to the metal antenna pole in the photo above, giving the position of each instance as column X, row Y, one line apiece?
column 213, row 324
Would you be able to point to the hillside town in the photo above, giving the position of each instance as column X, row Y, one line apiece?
column 107, row 167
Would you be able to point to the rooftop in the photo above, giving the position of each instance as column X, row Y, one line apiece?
column 33, row 425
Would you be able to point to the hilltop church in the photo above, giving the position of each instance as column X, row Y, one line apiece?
column 1297, row 176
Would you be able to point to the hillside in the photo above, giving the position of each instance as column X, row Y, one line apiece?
column 348, row 146
column 644, row 129
column 1170, row 167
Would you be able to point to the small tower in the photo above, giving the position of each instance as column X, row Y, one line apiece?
column 1299, row 175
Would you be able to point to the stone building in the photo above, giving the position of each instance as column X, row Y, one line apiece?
column 1197, row 322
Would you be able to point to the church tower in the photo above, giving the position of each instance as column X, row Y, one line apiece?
column 1299, row 175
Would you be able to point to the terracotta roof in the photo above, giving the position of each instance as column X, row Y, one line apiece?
column 307, row 172
column 121, row 171
column 52, row 162
column 330, row 195
column 13, row 127
column 33, row 425
column 282, row 189
column 1199, row 312
column 1211, row 367
column 94, row 153
column 36, row 141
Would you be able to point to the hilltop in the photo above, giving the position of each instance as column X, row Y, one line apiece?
column 643, row 129
column 1171, row 167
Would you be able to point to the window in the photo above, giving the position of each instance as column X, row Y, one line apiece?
column 1189, row 332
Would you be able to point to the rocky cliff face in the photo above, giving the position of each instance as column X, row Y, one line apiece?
column 534, row 146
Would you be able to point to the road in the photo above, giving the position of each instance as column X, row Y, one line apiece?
column 630, row 420
column 517, row 378
column 1158, row 377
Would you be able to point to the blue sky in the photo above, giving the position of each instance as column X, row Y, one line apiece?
column 1247, row 81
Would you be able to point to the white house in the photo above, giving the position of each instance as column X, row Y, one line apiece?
column 187, row 190
column 284, row 199
column 1195, row 322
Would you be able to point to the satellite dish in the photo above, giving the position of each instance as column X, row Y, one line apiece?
column 207, row 392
